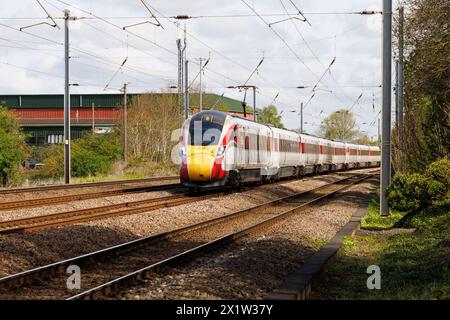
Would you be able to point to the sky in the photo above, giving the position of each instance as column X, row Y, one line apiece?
column 296, row 53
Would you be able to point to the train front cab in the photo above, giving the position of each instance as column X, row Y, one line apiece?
column 203, row 150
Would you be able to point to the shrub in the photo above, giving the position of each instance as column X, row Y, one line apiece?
column 107, row 145
column 440, row 171
column 53, row 166
column 12, row 149
column 89, row 163
column 410, row 192
column 91, row 155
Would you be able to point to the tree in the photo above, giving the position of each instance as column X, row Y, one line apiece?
column 12, row 148
column 332, row 128
column 151, row 120
column 426, row 128
column 363, row 138
column 269, row 115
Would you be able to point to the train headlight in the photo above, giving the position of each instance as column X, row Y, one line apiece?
column 221, row 151
column 183, row 152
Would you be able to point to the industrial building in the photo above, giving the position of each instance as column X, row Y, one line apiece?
column 42, row 116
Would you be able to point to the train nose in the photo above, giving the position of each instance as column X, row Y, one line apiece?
column 200, row 164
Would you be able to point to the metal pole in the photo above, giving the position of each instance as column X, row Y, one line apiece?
column 93, row 118
column 400, row 73
column 186, row 92
column 386, row 106
column 200, row 97
column 125, row 122
column 254, row 104
column 180, row 73
column 301, row 117
column 343, row 125
column 66, row 100
column 396, row 91
column 379, row 135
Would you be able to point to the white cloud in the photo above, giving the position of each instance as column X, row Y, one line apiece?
column 242, row 40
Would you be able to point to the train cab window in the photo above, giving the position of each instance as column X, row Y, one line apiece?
column 205, row 128
column 247, row 142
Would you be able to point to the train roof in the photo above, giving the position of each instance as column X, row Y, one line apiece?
column 291, row 131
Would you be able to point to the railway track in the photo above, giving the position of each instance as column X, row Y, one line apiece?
column 31, row 203
column 54, row 220
column 105, row 271
column 42, row 222
column 87, row 185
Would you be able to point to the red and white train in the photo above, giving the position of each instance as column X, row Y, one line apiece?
column 219, row 149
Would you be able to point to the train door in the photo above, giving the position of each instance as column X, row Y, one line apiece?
column 246, row 146
column 283, row 150
column 329, row 153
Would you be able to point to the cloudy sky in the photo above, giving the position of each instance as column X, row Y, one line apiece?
column 229, row 32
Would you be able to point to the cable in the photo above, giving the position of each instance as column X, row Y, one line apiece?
column 218, row 16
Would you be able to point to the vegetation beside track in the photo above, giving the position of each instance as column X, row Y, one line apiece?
column 414, row 263
column 412, row 248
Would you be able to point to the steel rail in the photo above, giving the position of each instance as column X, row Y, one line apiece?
column 58, row 267
column 86, row 185
column 31, row 203
column 105, row 289
column 42, row 222
column 53, row 220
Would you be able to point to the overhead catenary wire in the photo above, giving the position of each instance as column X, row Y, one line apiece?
column 219, row 74
column 99, row 59
column 115, row 73
column 213, row 16
column 309, row 47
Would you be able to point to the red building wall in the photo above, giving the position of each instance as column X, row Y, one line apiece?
column 77, row 116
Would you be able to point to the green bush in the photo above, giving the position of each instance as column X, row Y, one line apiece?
column 410, row 192
column 12, row 149
column 89, row 163
column 53, row 166
column 91, row 155
column 440, row 171
column 107, row 145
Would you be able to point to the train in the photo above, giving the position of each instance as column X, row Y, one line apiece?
column 219, row 149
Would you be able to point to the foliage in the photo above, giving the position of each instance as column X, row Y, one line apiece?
column 374, row 221
column 269, row 115
column 42, row 152
column 87, row 162
column 12, row 148
column 362, row 138
column 427, row 73
column 414, row 264
column 107, row 145
column 410, row 192
column 437, row 213
column 53, row 165
column 91, row 155
column 152, row 119
column 332, row 128
column 440, row 171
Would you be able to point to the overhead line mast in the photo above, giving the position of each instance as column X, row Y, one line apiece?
column 386, row 107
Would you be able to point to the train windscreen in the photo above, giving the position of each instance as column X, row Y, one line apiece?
column 205, row 128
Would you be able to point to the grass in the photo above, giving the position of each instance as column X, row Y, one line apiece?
column 374, row 221
column 318, row 243
column 414, row 265
column 134, row 170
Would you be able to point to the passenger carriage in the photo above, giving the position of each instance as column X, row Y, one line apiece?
column 218, row 149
